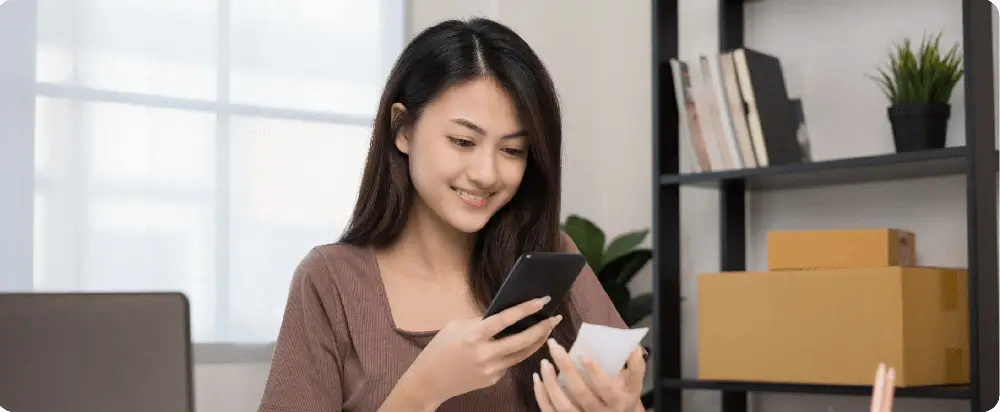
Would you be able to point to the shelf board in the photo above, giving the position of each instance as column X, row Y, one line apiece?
column 928, row 163
column 937, row 392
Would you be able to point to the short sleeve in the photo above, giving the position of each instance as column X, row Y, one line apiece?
column 591, row 302
column 305, row 374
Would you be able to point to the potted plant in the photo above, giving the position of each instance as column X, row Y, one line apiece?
column 918, row 84
column 615, row 264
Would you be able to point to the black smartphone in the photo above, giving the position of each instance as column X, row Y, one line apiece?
column 536, row 275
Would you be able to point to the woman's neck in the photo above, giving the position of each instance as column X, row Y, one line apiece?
column 432, row 245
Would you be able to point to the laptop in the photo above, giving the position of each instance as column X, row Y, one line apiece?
column 95, row 352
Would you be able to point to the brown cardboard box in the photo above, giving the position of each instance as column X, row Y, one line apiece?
column 834, row 326
column 846, row 248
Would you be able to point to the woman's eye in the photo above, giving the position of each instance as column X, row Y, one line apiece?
column 461, row 142
column 513, row 152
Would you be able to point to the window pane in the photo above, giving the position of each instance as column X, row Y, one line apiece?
column 125, row 201
column 322, row 55
column 157, row 148
column 57, row 198
column 54, row 51
column 131, row 244
column 54, row 139
column 40, row 239
column 165, row 48
column 137, row 244
column 293, row 186
column 56, row 247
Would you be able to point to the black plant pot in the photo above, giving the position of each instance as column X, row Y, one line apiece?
column 919, row 126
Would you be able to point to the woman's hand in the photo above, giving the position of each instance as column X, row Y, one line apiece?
column 603, row 394
column 464, row 356
column 884, row 388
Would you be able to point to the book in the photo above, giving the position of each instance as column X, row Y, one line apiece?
column 769, row 112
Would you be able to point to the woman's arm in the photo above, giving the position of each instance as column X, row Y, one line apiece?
column 591, row 302
column 410, row 395
column 305, row 374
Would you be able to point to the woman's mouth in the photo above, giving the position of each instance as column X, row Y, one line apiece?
column 474, row 199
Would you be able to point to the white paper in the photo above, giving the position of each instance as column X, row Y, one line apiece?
column 608, row 347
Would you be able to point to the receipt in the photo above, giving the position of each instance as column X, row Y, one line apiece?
column 608, row 347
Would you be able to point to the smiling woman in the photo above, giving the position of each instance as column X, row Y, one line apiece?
column 462, row 177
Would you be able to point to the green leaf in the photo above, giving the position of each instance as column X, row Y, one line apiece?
column 924, row 74
column 620, row 296
column 622, row 269
column 588, row 238
column 624, row 244
column 638, row 309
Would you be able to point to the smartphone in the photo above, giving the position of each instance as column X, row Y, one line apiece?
column 536, row 275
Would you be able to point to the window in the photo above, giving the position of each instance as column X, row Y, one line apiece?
column 201, row 146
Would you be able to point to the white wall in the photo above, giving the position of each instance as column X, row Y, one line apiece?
column 234, row 387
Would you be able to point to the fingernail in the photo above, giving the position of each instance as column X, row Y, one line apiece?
column 542, row 301
column 534, row 377
column 546, row 364
column 556, row 319
column 552, row 343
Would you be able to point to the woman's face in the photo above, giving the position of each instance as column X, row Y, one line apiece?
column 467, row 153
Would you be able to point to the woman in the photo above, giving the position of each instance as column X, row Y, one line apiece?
column 462, row 177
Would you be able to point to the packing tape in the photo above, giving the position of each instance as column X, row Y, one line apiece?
column 949, row 290
column 954, row 365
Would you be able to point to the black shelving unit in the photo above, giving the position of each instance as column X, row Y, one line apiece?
column 977, row 161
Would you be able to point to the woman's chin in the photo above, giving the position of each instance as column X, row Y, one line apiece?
column 468, row 221
column 468, row 224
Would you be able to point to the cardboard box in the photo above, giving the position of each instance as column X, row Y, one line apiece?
column 834, row 326
column 831, row 249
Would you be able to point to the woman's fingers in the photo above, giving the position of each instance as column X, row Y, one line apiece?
column 518, row 347
column 889, row 390
column 877, row 388
column 884, row 389
column 560, row 401
column 636, row 368
column 575, row 382
column 541, row 395
column 497, row 323
column 606, row 388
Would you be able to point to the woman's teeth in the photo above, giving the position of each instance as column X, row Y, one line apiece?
column 475, row 200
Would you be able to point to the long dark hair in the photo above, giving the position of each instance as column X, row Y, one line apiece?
column 441, row 56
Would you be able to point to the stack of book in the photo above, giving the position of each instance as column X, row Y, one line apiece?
column 735, row 112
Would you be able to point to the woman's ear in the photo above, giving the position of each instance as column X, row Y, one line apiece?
column 398, row 111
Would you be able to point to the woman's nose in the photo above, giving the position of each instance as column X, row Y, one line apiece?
column 482, row 170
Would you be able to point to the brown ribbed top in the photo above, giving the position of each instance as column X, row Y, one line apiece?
column 338, row 348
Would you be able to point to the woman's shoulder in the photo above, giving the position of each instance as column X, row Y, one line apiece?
column 566, row 243
column 339, row 257
column 591, row 302
column 337, row 266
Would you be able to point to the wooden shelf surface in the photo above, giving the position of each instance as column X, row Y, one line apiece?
column 895, row 166
column 938, row 392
